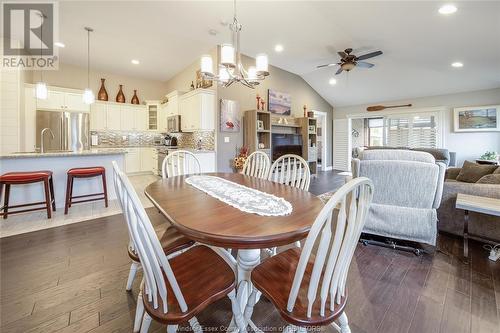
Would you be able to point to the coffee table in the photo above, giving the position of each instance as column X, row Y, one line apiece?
column 476, row 204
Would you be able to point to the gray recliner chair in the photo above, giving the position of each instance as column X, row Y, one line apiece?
column 407, row 192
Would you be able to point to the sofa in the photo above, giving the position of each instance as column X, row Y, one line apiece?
column 451, row 220
column 439, row 154
column 407, row 191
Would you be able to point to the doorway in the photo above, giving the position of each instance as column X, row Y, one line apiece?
column 322, row 140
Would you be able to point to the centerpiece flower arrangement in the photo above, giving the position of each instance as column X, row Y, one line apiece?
column 240, row 159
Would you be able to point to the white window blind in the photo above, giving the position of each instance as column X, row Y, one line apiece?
column 414, row 131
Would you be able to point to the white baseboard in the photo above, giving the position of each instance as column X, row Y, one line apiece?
column 328, row 168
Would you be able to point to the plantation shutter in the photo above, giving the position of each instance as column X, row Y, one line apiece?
column 413, row 131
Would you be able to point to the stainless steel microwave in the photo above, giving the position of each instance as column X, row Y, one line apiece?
column 174, row 124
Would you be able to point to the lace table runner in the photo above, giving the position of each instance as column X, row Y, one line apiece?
column 244, row 198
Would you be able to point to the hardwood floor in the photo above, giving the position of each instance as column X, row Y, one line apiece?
column 326, row 181
column 72, row 279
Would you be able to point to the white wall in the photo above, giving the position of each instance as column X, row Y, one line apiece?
column 468, row 146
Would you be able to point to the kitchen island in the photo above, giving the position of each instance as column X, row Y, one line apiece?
column 59, row 162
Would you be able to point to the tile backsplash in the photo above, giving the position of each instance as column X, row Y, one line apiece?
column 140, row 139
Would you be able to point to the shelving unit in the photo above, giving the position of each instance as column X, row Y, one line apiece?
column 252, row 135
column 309, row 142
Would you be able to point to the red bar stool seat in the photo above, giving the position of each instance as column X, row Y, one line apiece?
column 27, row 177
column 87, row 172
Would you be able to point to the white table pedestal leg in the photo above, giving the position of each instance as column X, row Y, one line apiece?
column 247, row 260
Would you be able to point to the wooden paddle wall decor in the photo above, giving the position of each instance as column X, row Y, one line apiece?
column 382, row 107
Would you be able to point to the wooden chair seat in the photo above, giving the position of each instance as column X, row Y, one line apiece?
column 171, row 241
column 274, row 278
column 203, row 277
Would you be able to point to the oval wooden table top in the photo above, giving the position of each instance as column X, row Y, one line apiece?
column 210, row 221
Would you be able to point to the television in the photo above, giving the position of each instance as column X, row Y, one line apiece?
column 283, row 144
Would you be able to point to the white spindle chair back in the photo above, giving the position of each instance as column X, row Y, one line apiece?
column 291, row 170
column 150, row 252
column 333, row 255
column 179, row 163
column 119, row 193
column 257, row 165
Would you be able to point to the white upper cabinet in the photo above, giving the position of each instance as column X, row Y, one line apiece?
column 172, row 108
column 61, row 100
column 98, row 121
column 117, row 117
column 162, row 118
column 197, row 110
column 113, row 117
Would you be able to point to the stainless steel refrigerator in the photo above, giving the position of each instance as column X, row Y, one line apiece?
column 71, row 130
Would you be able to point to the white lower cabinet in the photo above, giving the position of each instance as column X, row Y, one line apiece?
column 133, row 160
column 207, row 161
column 147, row 159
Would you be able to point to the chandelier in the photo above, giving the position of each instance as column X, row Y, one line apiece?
column 230, row 68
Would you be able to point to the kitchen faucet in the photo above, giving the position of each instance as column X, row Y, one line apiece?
column 42, row 149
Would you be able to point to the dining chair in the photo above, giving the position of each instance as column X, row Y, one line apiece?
column 293, row 280
column 180, row 162
column 291, row 170
column 171, row 240
column 178, row 287
column 257, row 165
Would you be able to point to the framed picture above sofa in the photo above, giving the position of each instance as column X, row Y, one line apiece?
column 477, row 118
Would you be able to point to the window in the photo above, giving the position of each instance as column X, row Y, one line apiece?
column 375, row 128
column 413, row 130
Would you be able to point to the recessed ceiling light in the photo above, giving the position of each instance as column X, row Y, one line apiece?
column 457, row 64
column 135, row 62
column 447, row 9
column 59, row 44
column 332, row 81
column 278, row 48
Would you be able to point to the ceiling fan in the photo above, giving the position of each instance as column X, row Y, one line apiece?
column 348, row 61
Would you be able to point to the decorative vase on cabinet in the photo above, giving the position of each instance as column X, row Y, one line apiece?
column 102, row 95
column 120, row 97
column 135, row 99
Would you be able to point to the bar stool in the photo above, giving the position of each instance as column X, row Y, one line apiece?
column 28, row 177
column 85, row 173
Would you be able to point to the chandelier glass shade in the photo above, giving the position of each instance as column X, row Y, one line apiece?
column 230, row 69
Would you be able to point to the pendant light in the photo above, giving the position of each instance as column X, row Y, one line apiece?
column 231, row 67
column 41, row 90
column 88, row 94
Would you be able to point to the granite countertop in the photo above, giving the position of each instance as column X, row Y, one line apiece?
column 163, row 148
column 192, row 150
column 91, row 152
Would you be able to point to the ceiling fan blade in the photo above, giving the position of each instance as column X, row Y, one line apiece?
column 369, row 55
column 339, row 71
column 342, row 54
column 326, row 65
column 363, row 64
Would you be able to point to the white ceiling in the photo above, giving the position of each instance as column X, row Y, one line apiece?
column 418, row 43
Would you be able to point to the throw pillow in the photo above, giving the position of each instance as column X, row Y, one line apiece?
column 494, row 178
column 471, row 172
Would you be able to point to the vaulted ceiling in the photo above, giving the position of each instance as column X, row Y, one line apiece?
column 418, row 43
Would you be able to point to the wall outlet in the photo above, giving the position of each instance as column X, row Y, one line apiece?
column 124, row 137
column 494, row 254
column 226, row 139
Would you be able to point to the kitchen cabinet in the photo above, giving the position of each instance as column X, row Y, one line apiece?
column 61, row 100
column 197, row 110
column 113, row 117
column 98, row 121
column 133, row 160
column 116, row 117
column 207, row 161
column 147, row 159
column 172, row 107
column 140, row 159
column 127, row 117
column 162, row 118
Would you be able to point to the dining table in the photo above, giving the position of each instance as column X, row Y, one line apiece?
column 208, row 220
